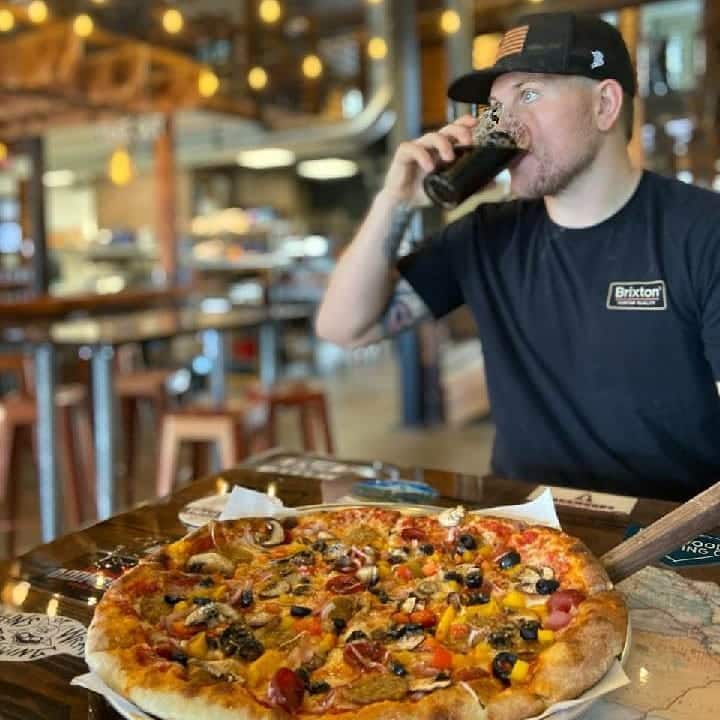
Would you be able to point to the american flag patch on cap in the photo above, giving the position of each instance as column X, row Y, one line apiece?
column 513, row 42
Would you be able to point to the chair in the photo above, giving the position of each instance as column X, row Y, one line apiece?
column 308, row 400
column 134, row 385
column 18, row 420
column 236, row 429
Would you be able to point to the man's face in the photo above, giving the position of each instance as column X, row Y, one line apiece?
column 555, row 113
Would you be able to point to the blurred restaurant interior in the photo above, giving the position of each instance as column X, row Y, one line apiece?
column 176, row 180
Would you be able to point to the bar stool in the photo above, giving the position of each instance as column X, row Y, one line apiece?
column 236, row 429
column 18, row 419
column 307, row 399
column 135, row 385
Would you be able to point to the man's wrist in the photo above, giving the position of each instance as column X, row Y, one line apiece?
column 400, row 217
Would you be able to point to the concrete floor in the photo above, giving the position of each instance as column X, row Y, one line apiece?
column 364, row 407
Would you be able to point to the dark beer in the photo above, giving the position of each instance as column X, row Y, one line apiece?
column 474, row 167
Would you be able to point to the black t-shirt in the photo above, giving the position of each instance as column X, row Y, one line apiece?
column 602, row 345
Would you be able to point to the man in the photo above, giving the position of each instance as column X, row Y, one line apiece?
column 596, row 292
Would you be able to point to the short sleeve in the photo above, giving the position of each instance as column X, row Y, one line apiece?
column 432, row 270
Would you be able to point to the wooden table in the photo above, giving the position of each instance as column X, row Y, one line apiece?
column 101, row 335
column 40, row 688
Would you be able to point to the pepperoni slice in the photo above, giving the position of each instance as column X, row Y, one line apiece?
column 425, row 618
column 413, row 533
column 557, row 620
column 565, row 600
column 344, row 585
column 363, row 653
column 286, row 690
column 468, row 674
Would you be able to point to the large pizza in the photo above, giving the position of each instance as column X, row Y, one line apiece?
column 359, row 613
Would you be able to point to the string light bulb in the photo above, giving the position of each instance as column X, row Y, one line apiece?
column 312, row 66
column 4, row 152
column 7, row 20
column 376, row 48
column 257, row 78
column 270, row 11
column 37, row 11
column 208, row 83
column 173, row 21
column 120, row 167
column 450, row 22
column 83, row 25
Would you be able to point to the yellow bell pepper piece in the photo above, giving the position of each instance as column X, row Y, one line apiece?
column 546, row 637
column 519, row 671
column 197, row 646
column 447, row 617
column 264, row 666
column 485, row 610
column 327, row 643
column 219, row 592
column 514, row 600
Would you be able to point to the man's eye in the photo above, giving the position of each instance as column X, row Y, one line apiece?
column 528, row 95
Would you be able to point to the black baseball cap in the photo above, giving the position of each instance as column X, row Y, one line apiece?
column 562, row 43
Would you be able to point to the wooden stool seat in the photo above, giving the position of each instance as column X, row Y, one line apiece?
column 142, row 383
column 232, row 428
column 306, row 397
column 18, row 416
column 133, row 387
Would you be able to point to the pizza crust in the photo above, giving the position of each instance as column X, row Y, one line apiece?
column 456, row 703
column 584, row 652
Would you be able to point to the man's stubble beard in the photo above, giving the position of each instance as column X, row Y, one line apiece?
column 552, row 177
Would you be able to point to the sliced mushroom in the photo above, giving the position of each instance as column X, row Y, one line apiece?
column 547, row 573
column 429, row 684
column 527, row 579
column 222, row 669
column 258, row 619
column 273, row 534
column 275, row 588
column 398, row 555
column 408, row 642
column 452, row 516
column 427, row 588
column 210, row 612
column 408, row 605
column 335, row 551
column 209, row 563
column 367, row 574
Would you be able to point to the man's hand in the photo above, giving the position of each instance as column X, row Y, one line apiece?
column 414, row 159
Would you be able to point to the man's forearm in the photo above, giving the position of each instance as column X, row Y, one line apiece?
column 365, row 275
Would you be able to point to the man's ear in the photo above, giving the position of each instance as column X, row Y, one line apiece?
column 608, row 103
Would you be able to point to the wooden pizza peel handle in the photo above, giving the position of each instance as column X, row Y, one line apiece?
column 696, row 516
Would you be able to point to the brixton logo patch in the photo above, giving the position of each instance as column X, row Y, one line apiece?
column 643, row 295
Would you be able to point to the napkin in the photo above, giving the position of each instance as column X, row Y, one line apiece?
column 242, row 503
column 250, row 503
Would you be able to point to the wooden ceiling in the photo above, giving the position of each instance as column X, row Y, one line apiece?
column 51, row 77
